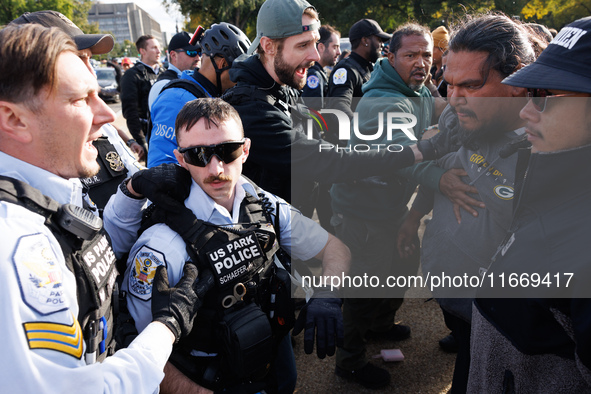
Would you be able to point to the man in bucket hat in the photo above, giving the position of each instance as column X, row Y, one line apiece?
column 538, row 340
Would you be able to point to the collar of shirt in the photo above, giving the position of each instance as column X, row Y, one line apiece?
column 156, row 67
column 175, row 69
column 64, row 191
column 205, row 208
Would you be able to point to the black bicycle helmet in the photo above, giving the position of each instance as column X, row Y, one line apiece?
column 226, row 40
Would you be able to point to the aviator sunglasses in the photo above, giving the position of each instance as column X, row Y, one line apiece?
column 201, row 155
column 539, row 98
column 189, row 53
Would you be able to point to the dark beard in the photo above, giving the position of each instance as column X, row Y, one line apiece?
column 284, row 71
column 374, row 54
column 472, row 139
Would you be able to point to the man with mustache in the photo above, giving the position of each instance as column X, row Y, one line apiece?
column 484, row 115
column 212, row 148
column 367, row 214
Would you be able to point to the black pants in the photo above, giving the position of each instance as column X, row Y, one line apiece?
column 461, row 331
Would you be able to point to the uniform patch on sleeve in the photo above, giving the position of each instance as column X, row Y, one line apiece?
column 55, row 336
column 141, row 277
column 313, row 81
column 39, row 274
column 339, row 76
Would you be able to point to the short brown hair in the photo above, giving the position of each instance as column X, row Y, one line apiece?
column 213, row 110
column 326, row 32
column 142, row 42
column 28, row 61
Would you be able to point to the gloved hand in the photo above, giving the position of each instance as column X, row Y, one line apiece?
column 428, row 149
column 322, row 314
column 167, row 185
column 176, row 307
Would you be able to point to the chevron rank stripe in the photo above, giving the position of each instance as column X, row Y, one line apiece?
column 61, row 337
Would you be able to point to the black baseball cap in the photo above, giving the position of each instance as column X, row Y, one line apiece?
column 181, row 41
column 366, row 28
column 563, row 65
column 97, row 43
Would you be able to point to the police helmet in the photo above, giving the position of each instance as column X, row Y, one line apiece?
column 226, row 40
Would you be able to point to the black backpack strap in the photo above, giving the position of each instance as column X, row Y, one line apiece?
column 20, row 193
column 192, row 87
column 243, row 93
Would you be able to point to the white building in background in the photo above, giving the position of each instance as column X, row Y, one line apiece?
column 126, row 21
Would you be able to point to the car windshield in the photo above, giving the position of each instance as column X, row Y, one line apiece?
column 105, row 74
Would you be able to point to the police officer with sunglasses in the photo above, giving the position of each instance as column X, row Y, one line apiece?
column 181, row 56
column 239, row 234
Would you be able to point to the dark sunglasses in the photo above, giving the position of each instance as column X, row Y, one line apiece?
column 200, row 156
column 539, row 98
column 189, row 53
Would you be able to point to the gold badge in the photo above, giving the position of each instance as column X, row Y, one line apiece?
column 115, row 161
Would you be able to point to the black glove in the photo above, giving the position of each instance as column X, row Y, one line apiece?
column 176, row 307
column 427, row 149
column 167, row 185
column 322, row 314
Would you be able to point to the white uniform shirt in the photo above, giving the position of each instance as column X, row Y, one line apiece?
column 42, row 340
column 300, row 236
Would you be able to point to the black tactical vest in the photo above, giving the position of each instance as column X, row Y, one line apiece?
column 241, row 258
column 92, row 261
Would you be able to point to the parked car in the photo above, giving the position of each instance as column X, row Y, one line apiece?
column 345, row 44
column 106, row 80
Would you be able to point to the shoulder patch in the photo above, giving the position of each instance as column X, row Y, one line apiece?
column 313, row 81
column 141, row 276
column 39, row 274
column 339, row 76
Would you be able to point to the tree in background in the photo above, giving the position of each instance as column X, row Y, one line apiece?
column 241, row 13
column 76, row 10
column 344, row 13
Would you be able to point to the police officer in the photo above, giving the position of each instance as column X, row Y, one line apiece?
column 182, row 55
column 237, row 236
column 57, row 265
column 329, row 49
column 114, row 158
column 344, row 87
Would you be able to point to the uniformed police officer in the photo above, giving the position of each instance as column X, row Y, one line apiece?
column 344, row 87
column 329, row 49
column 238, row 235
column 115, row 159
column 57, row 267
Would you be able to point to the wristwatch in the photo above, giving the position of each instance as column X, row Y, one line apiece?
column 130, row 141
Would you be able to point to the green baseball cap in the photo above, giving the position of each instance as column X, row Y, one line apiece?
column 280, row 19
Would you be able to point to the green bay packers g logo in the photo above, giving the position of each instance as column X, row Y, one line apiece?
column 504, row 192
